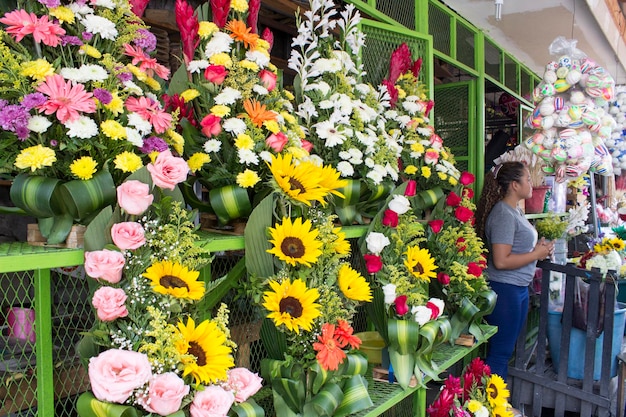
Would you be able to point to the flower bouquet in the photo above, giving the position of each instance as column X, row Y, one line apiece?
column 408, row 319
column 606, row 254
column 343, row 116
column 477, row 393
column 234, row 113
column 78, row 111
column 311, row 297
column 154, row 350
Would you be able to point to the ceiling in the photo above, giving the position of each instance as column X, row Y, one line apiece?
column 528, row 27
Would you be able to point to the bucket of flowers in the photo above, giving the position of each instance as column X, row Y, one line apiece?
column 309, row 292
column 78, row 112
column 234, row 113
column 155, row 349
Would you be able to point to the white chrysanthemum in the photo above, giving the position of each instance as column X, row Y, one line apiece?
column 234, row 125
column 212, row 145
column 133, row 88
column 142, row 125
column 92, row 72
column 345, row 168
column 424, row 131
column 101, row 26
column 391, row 114
column 80, row 9
column 328, row 131
column 323, row 65
column 220, row 42
column 71, row 74
column 38, row 124
column 266, row 156
column 258, row 57
column 345, row 60
column 134, row 137
column 247, row 157
column 369, row 162
column 109, row 4
column 404, row 120
column 364, row 89
column 367, row 138
column 321, row 86
column 411, row 107
column 228, row 96
column 365, row 112
column 83, row 127
column 326, row 104
column 260, row 90
column 353, row 155
column 343, row 103
column 198, row 65
column 377, row 174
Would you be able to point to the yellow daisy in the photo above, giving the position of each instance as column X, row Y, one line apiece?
column 295, row 243
column 175, row 279
column 207, row 357
column 292, row 304
column 419, row 263
column 353, row 285
column 497, row 393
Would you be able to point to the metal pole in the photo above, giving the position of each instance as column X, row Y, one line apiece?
column 592, row 195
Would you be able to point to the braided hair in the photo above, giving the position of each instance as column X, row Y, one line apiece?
column 496, row 185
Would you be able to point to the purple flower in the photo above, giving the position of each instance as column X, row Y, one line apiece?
column 103, row 95
column 50, row 3
column 71, row 40
column 87, row 36
column 146, row 40
column 54, row 142
column 33, row 100
column 124, row 76
column 14, row 118
column 152, row 144
column 3, row 103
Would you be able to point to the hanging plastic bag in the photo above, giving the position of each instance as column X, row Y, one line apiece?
column 561, row 46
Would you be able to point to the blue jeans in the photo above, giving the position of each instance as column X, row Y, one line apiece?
column 509, row 315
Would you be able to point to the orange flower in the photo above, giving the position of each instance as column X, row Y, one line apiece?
column 329, row 352
column 258, row 112
column 241, row 33
column 344, row 335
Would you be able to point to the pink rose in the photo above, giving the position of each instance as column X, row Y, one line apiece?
column 401, row 306
column 109, row 303
column 212, row 401
column 115, row 374
column 411, row 188
column 243, row 383
column 215, row 74
column 467, row 178
column 373, row 263
column 268, row 79
column 134, row 197
column 168, row 170
column 165, row 394
column 211, row 125
column 128, row 235
column 431, row 157
column 277, row 141
column 105, row 264
column 306, row 145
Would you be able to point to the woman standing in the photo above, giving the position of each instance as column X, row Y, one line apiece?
column 513, row 253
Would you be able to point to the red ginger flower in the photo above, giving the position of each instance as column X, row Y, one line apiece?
column 399, row 63
column 416, row 67
column 185, row 110
column 220, row 10
column 188, row 24
column 138, row 7
column 268, row 37
column 253, row 15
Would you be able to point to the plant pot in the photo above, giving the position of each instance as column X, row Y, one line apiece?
column 536, row 203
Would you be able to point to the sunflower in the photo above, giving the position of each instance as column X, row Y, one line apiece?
column 300, row 182
column 175, row 279
column 341, row 245
column 503, row 410
column 497, row 393
column 420, row 263
column 292, row 304
column 208, row 356
column 353, row 285
column 295, row 243
column 330, row 180
column 617, row 244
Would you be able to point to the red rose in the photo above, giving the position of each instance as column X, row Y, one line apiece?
column 215, row 74
column 211, row 125
column 436, row 225
column 401, row 307
column 411, row 188
column 373, row 263
column 463, row 214
column 460, row 244
column 467, row 178
column 474, row 269
column 453, row 199
column 468, row 192
column 443, row 278
column 390, row 218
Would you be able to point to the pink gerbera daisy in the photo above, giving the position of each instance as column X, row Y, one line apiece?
column 151, row 111
column 65, row 98
column 20, row 23
column 145, row 62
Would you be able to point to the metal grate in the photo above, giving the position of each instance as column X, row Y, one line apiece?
column 465, row 41
column 402, row 11
column 451, row 121
column 510, row 73
column 439, row 28
column 492, row 60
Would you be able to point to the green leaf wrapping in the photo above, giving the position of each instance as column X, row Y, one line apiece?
column 345, row 208
column 248, row 408
column 84, row 197
column 230, row 202
column 89, row 406
column 34, row 194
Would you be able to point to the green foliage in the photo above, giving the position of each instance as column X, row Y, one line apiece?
column 551, row 227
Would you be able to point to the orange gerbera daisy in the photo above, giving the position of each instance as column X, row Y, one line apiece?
column 344, row 335
column 329, row 352
column 241, row 33
column 257, row 112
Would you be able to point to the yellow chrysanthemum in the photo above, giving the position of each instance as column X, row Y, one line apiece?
column 248, row 178
column 401, row 93
column 453, row 181
column 474, row 406
column 175, row 279
column 287, row 93
column 189, row 94
column 249, row 65
column 497, row 393
column 297, row 152
column 206, row 29
column 265, row 45
column 221, row 58
column 417, row 147
column 301, row 182
column 64, row 14
column 442, row 176
column 426, row 172
column 420, row 263
column 116, row 106
column 177, row 140
column 35, row 157
column 289, row 118
column 292, row 304
column 197, row 160
column 127, row 162
column 240, row 6
column 91, row 51
column 113, row 129
column 208, row 357
column 38, row 69
column 84, row 168
column 152, row 83
column 353, row 285
column 272, row 126
column 410, row 169
column 295, row 243
column 244, row 141
column 141, row 75
column 220, row 110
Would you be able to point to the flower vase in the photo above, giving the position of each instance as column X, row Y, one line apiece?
column 536, row 203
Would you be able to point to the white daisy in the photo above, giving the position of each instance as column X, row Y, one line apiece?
column 38, row 124
column 198, row 65
column 247, row 157
column 133, row 88
column 234, row 125
column 220, row 42
column 228, row 96
column 345, row 169
column 109, row 4
column 260, row 90
column 365, row 112
column 142, row 125
column 100, row 25
column 328, row 131
column 212, row 145
column 84, row 128
column 92, row 72
column 134, row 137
column 323, row 65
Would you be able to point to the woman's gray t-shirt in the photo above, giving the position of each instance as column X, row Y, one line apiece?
column 508, row 226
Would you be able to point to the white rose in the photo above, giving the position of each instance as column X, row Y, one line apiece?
column 400, row 204
column 389, row 290
column 376, row 242
column 421, row 314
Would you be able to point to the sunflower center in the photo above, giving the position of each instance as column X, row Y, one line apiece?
column 292, row 246
column 291, row 306
column 418, row 268
column 296, row 185
column 197, row 351
column 493, row 392
column 170, row 281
